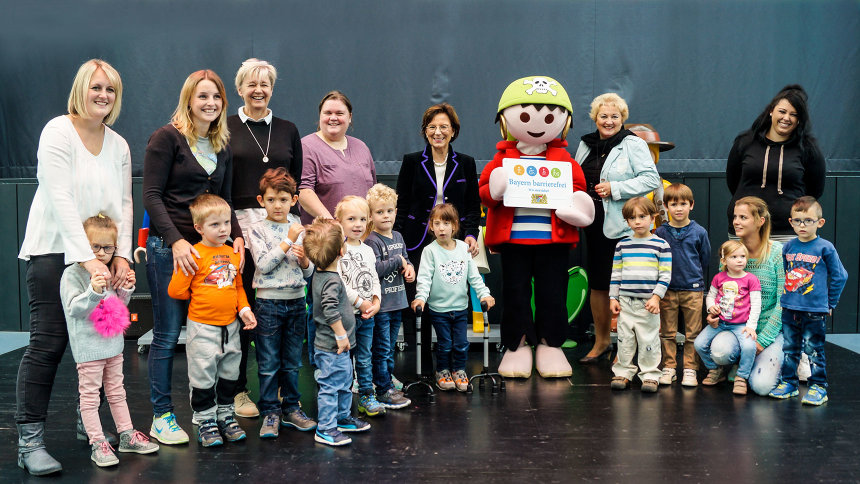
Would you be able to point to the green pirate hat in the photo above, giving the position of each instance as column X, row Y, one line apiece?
column 535, row 90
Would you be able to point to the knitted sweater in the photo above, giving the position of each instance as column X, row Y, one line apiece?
column 285, row 150
column 79, row 300
column 691, row 251
column 278, row 275
column 641, row 267
column 771, row 276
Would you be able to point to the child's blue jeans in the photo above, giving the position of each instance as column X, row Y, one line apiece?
column 334, row 399
column 363, row 355
column 386, row 327
column 747, row 344
column 804, row 331
column 452, row 344
column 280, row 334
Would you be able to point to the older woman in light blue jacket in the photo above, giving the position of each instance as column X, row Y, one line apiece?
column 617, row 166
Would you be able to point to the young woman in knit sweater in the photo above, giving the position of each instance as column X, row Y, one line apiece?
column 752, row 223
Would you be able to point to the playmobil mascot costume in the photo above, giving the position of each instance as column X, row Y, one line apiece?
column 534, row 116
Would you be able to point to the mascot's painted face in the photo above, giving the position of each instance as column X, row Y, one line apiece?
column 533, row 127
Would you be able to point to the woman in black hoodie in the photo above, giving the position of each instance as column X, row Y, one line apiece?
column 777, row 160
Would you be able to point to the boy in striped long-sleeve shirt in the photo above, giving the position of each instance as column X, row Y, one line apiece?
column 641, row 271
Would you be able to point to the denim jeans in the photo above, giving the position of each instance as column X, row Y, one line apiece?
column 334, row 399
column 48, row 338
column 363, row 354
column 747, row 347
column 804, row 331
column 279, row 336
column 168, row 314
column 766, row 368
column 386, row 326
column 452, row 345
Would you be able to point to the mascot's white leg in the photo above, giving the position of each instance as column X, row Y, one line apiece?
column 517, row 363
column 551, row 362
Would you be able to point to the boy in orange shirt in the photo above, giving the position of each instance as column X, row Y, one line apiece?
column 212, row 337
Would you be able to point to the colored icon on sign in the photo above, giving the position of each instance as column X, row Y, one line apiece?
column 544, row 171
column 555, row 173
column 519, row 170
column 532, row 171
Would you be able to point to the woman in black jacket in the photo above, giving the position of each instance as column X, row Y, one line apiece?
column 437, row 174
column 777, row 160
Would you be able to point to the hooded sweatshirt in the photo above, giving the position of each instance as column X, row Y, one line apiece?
column 777, row 172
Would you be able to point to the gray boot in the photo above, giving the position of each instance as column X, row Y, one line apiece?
column 32, row 455
column 82, row 432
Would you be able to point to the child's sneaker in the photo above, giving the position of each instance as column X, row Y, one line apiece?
column 398, row 385
column 784, row 390
column 461, row 381
column 816, row 395
column 298, row 420
column 619, row 383
column 668, row 376
column 208, row 435
column 103, row 454
column 444, row 381
column 352, row 424
column 332, row 437
column 650, row 386
column 714, row 377
column 690, row 378
column 243, row 406
column 393, row 399
column 230, row 429
column 134, row 441
column 370, row 406
column 167, row 431
column 740, row 387
column 271, row 425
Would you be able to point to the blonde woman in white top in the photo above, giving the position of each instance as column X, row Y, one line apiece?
column 84, row 168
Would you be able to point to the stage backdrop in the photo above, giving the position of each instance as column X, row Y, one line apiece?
column 699, row 71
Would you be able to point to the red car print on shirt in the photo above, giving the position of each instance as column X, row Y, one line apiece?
column 797, row 278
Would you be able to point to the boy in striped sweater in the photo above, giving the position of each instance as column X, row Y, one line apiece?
column 641, row 271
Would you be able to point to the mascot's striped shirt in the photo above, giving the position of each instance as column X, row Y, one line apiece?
column 641, row 267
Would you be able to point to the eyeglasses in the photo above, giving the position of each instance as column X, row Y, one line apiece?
column 797, row 222
column 109, row 249
column 432, row 128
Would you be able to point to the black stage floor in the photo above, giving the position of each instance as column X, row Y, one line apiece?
column 537, row 431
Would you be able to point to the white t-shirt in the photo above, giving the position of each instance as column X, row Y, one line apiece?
column 74, row 185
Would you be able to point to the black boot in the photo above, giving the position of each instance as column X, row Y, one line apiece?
column 82, row 432
column 32, row 455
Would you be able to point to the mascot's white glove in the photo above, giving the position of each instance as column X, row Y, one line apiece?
column 580, row 213
column 499, row 183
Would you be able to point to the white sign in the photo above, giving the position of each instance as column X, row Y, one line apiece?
column 538, row 183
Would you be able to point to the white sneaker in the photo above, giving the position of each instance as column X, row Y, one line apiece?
column 668, row 376
column 690, row 379
column 167, row 431
column 803, row 369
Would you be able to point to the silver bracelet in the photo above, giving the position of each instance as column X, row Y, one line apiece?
column 340, row 338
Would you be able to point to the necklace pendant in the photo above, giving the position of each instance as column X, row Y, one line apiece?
column 265, row 159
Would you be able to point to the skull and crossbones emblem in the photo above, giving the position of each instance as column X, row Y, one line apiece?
column 541, row 85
